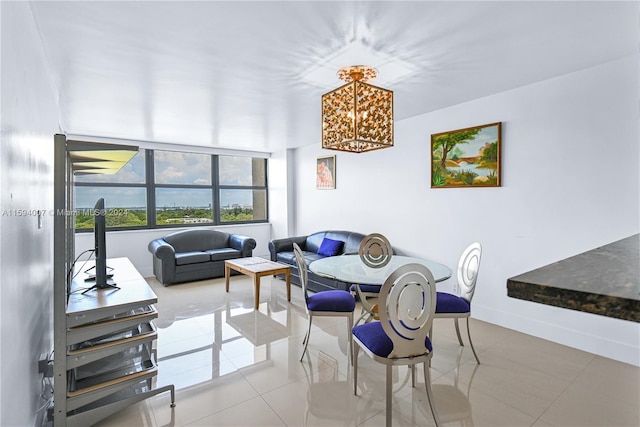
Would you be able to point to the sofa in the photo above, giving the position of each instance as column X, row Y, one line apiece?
column 281, row 250
column 196, row 254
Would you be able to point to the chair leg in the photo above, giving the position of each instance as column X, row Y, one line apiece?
column 350, row 337
column 458, row 331
column 389, row 393
column 471, row 342
column 413, row 375
column 427, row 384
column 306, row 334
column 306, row 338
column 431, row 338
column 354, row 354
column 363, row 314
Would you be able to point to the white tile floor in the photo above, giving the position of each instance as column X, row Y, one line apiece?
column 235, row 366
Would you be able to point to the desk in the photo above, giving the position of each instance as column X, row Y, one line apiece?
column 108, row 354
column 350, row 269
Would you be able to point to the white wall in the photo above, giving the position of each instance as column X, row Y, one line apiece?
column 281, row 215
column 133, row 244
column 29, row 120
column 570, row 184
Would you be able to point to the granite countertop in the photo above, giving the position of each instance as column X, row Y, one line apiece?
column 604, row 281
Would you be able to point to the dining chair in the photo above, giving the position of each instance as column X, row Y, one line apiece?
column 459, row 306
column 326, row 303
column 375, row 251
column 406, row 304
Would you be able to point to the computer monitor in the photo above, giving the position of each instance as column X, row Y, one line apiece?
column 101, row 272
column 100, row 231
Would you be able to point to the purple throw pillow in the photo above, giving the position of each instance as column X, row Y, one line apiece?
column 330, row 247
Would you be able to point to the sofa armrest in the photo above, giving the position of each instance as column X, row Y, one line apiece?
column 162, row 250
column 244, row 244
column 286, row 245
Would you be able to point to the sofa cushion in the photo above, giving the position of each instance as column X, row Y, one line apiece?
column 197, row 240
column 314, row 241
column 351, row 240
column 286, row 258
column 183, row 258
column 223, row 254
column 330, row 247
column 290, row 258
column 187, row 269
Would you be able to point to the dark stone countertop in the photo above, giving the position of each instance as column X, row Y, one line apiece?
column 604, row 281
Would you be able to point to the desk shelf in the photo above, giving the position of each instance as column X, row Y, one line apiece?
column 102, row 347
column 110, row 361
column 112, row 325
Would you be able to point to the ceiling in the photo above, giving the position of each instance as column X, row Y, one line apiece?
column 232, row 74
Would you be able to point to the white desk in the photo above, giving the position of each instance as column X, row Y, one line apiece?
column 110, row 360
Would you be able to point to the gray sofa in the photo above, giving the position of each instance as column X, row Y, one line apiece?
column 281, row 250
column 196, row 254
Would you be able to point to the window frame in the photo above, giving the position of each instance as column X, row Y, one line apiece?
column 151, row 186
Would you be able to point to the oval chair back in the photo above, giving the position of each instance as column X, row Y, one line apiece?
column 468, row 267
column 459, row 306
column 375, row 250
column 407, row 303
column 302, row 270
column 336, row 302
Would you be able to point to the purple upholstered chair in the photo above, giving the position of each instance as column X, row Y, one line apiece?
column 325, row 303
column 406, row 304
column 459, row 306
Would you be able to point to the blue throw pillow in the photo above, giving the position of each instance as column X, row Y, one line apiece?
column 330, row 247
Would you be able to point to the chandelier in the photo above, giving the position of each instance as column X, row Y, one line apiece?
column 357, row 117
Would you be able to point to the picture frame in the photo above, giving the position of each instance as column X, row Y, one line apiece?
column 469, row 157
column 326, row 173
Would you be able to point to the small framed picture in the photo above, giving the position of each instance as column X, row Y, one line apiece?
column 467, row 157
column 326, row 173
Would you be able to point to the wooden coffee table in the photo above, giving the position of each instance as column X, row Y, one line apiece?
column 256, row 268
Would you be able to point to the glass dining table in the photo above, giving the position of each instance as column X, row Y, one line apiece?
column 351, row 269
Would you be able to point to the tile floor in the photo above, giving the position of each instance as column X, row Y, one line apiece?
column 235, row 366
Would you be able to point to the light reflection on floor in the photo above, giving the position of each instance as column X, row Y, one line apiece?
column 235, row 366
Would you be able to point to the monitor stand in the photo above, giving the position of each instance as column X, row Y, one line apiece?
column 109, row 285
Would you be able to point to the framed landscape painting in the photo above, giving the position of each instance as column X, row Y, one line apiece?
column 326, row 173
column 467, row 157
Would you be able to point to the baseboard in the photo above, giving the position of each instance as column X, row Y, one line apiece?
column 626, row 351
column 146, row 272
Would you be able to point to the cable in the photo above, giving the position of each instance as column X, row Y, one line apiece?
column 47, row 399
column 73, row 264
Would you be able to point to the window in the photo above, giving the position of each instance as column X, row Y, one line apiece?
column 243, row 189
column 183, row 188
column 171, row 167
column 124, row 193
column 168, row 188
